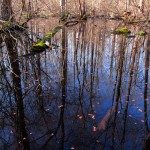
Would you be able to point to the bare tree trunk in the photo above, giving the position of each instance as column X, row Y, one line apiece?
column 63, row 6
column 6, row 10
column 23, row 5
column 132, row 68
column 82, row 10
column 64, row 84
column 16, row 80
column 147, row 58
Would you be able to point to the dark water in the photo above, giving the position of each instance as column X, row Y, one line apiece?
column 90, row 93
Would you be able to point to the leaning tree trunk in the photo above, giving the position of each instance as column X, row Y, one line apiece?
column 6, row 10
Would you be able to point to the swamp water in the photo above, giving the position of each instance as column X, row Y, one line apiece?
column 90, row 92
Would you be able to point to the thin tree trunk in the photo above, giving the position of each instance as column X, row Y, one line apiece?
column 135, row 49
column 63, row 5
column 147, row 58
column 141, row 5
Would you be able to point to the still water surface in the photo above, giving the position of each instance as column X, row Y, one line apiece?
column 90, row 92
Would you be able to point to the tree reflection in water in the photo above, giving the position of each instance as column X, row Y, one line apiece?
column 90, row 93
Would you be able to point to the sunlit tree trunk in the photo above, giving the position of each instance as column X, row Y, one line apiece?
column 141, row 5
column 63, row 5
column 112, row 53
column 128, row 2
column 92, row 63
column 81, row 7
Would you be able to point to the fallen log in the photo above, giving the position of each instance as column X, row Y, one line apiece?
column 41, row 45
column 45, row 42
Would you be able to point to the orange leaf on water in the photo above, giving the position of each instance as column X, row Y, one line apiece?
column 94, row 129
column 92, row 116
column 60, row 106
column 72, row 147
column 80, row 117
column 24, row 138
column 11, row 132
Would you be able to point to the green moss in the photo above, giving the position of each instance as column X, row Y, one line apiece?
column 40, row 46
column 49, row 35
column 142, row 33
column 41, row 43
column 122, row 31
column 59, row 27
column 7, row 24
column 1, row 27
column 53, row 32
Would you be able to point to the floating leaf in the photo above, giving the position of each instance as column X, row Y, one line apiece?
column 72, row 147
column 79, row 116
column 94, row 129
column 97, row 141
column 52, row 134
column 140, row 110
column 60, row 106
column 24, row 138
column 92, row 116
column 11, row 132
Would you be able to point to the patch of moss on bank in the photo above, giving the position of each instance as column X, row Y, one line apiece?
column 122, row 31
column 142, row 33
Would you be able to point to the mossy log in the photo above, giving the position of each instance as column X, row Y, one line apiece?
column 123, row 31
column 45, row 42
column 136, row 21
column 142, row 33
